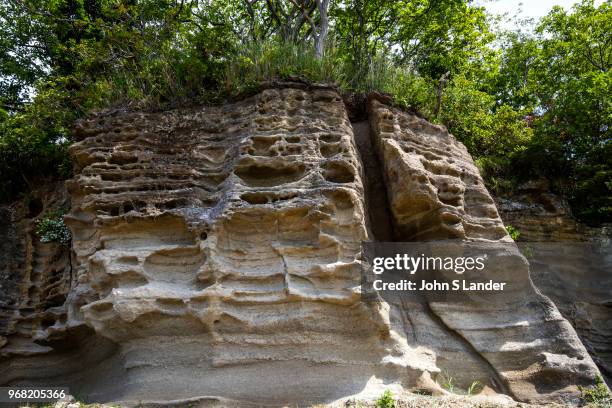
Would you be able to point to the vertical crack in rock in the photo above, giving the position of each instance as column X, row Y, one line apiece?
column 379, row 218
column 455, row 354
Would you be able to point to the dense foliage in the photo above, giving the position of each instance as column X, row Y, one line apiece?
column 527, row 103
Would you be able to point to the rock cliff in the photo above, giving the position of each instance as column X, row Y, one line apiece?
column 34, row 276
column 216, row 255
column 436, row 193
column 540, row 215
column 570, row 263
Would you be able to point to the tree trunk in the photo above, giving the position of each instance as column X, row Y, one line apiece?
column 320, row 38
column 441, row 85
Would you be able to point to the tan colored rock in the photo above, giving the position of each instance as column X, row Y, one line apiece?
column 436, row 193
column 217, row 252
column 219, row 249
column 34, row 276
column 538, row 214
column 570, row 263
column 434, row 188
column 576, row 276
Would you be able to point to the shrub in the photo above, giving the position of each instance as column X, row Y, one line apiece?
column 386, row 400
column 599, row 395
column 513, row 232
column 53, row 229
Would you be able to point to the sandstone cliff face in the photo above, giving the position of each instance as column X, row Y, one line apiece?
column 539, row 215
column 436, row 193
column 34, row 276
column 217, row 250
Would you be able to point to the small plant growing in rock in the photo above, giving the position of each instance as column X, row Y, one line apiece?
column 448, row 383
column 385, row 400
column 598, row 395
column 513, row 232
column 53, row 229
column 474, row 388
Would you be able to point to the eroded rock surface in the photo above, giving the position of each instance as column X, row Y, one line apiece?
column 539, row 215
column 570, row 263
column 34, row 276
column 219, row 248
column 216, row 254
column 436, row 193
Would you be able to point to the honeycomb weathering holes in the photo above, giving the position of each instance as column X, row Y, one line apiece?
column 338, row 172
column 270, row 174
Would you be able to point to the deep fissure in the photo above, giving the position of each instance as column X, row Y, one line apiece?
column 381, row 227
column 377, row 205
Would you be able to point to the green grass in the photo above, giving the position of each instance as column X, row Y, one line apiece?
column 385, row 400
column 513, row 232
column 598, row 395
column 256, row 63
column 448, row 383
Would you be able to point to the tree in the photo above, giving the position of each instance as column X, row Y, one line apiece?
column 573, row 84
column 526, row 104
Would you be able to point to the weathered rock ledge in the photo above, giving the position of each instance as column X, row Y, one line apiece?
column 570, row 263
column 216, row 252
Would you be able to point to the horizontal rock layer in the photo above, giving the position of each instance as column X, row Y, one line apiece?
column 570, row 263
column 539, row 215
column 35, row 277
